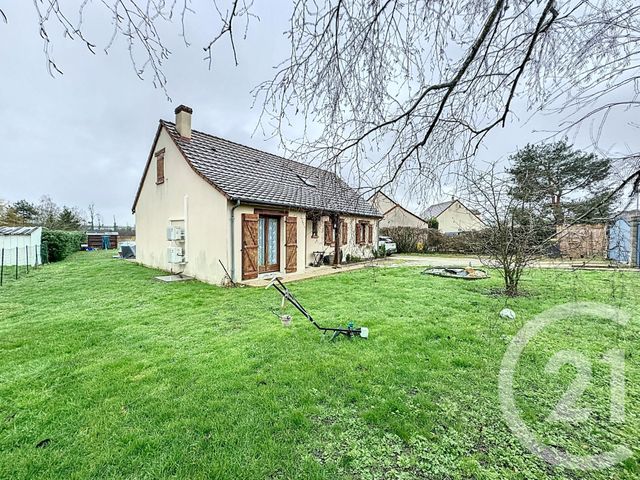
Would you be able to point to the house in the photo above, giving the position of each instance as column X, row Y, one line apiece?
column 453, row 217
column 394, row 214
column 204, row 202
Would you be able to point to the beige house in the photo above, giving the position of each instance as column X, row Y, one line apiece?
column 394, row 214
column 453, row 217
column 204, row 201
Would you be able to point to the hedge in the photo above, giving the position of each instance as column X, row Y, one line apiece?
column 420, row 240
column 58, row 245
column 407, row 239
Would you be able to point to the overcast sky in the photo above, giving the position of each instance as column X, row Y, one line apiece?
column 84, row 137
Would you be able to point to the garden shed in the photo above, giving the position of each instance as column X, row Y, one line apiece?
column 21, row 245
column 102, row 240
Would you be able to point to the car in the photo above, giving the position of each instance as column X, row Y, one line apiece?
column 388, row 243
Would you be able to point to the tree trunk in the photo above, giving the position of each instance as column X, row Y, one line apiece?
column 336, row 236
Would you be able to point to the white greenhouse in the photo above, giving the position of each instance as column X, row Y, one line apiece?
column 21, row 244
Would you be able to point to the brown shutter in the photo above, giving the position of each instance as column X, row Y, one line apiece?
column 370, row 233
column 343, row 233
column 328, row 233
column 249, row 246
column 160, row 167
column 358, row 233
column 291, row 244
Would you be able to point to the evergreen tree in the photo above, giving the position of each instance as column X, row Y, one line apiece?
column 68, row 220
column 568, row 183
column 19, row 214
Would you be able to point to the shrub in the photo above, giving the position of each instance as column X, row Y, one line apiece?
column 464, row 242
column 406, row 238
column 44, row 252
column 58, row 244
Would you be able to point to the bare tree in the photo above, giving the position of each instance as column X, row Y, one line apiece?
column 423, row 83
column 516, row 233
column 405, row 92
column 92, row 215
column 139, row 23
column 48, row 212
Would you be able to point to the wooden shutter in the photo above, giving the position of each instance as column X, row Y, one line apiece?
column 358, row 233
column 291, row 244
column 328, row 233
column 249, row 246
column 343, row 233
column 370, row 232
column 160, row 167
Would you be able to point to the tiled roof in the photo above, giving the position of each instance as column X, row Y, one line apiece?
column 434, row 210
column 249, row 175
column 17, row 230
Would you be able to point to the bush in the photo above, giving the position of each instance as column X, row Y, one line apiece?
column 407, row 238
column 58, row 245
column 464, row 242
column 44, row 252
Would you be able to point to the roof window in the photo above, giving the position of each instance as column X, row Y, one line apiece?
column 306, row 181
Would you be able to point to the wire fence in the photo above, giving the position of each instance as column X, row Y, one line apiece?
column 18, row 261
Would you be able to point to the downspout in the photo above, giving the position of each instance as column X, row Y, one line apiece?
column 233, row 230
column 185, row 257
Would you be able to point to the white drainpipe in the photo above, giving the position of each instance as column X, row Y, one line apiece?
column 232, row 237
column 186, row 228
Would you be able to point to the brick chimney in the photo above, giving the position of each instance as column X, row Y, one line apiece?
column 183, row 121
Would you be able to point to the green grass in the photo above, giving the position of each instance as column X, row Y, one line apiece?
column 9, row 273
column 128, row 377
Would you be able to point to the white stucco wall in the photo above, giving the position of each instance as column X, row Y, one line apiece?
column 301, row 226
column 457, row 218
column 159, row 206
column 382, row 202
column 399, row 217
column 394, row 214
column 351, row 247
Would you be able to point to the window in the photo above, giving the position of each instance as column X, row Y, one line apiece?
column 314, row 228
column 160, row 167
column 306, row 181
column 364, row 233
column 268, row 243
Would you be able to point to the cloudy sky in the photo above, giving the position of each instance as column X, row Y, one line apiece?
column 84, row 136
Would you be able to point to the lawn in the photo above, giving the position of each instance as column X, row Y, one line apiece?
column 107, row 373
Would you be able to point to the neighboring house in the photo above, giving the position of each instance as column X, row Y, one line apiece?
column 203, row 200
column 453, row 217
column 394, row 214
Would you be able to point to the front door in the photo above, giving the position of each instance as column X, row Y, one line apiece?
column 268, row 244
